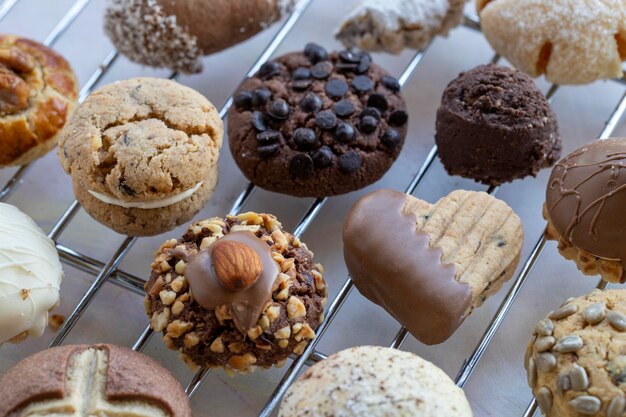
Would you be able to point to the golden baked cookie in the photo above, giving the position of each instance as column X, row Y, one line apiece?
column 430, row 265
column 570, row 41
column 576, row 359
column 142, row 154
column 38, row 92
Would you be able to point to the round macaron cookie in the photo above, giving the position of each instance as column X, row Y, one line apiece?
column 30, row 276
column 316, row 124
column 585, row 206
column 236, row 293
column 495, row 126
column 99, row 380
column 376, row 382
column 142, row 154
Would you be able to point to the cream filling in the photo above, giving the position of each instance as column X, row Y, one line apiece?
column 146, row 205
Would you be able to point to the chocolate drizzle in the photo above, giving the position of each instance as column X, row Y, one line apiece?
column 393, row 265
column 586, row 199
column 246, row 305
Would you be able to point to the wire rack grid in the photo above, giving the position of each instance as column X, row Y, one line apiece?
column 110, row 272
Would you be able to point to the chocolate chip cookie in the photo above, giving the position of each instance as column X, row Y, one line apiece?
column 316, row 124
column 236, row 293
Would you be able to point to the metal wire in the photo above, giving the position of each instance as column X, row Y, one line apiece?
column 6, row 7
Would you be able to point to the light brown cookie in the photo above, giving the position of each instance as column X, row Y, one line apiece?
column 576, row 360
column 570, row 41
column 430, row 265
column 38, row 93
column 81, row 380
column 143, row 154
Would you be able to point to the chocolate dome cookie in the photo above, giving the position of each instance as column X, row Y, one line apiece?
column 99, row 380
column 142, row 154
column 316, row 124
column 585, row 206
column 375, row 382
column 38, row 92
column 575, row 360
column 237, row 293
column 431, row 265
column 495, row 126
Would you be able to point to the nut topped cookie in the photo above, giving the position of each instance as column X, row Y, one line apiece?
column 316, row 124
column 236, row 293
column 576, row 359
column 142, row 154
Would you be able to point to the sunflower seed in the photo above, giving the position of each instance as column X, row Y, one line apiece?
column 616, row 407
column 578, row 377
column 545, row 327
column 532, row 373
column 594, row 314
column 586, row 404
column 527, row 355
column 568, row 344
column 563, row 383
column 617, row 320
column 569, row 300
column 565, row 311
column 544, row 398
column 545, row 362
column 544, row 343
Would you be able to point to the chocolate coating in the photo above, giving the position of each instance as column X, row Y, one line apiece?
column 586, row 199
column 407, row 278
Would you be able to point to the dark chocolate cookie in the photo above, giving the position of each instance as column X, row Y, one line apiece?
column 494, row 125
column 315, row 124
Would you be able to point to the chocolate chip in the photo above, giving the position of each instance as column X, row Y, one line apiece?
column 279, row 109
column 126, row 189
column 258, row 121
column 350, row 56
column 301, row 85
column 345, row 132
column 315, row 53
column 311, row 103
column 391, row 138
column 344, row 108
column 364, row 64
column 268, row 136
column 243, row 100
column 336, row 88
column 322, row 70
column 326, row 119
column 301, row 73
column 305, row 139
column 350, row 162
column 269, row 69
column 362, row 83
column 378, row 101
column 398, row 118
column 368, row 124
column 301, row 165
column 261, row 96
column 346, row 67
column 322, row 157
column 268, row 150
column 390, row 83
column 370, row 111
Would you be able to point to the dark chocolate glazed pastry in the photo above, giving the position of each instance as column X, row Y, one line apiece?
column 495, row 126
column 586, row 208
column 430, row 265
column 315, row 124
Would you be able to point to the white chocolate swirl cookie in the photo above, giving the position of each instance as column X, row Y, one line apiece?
column 570, row 41
column 30, row 276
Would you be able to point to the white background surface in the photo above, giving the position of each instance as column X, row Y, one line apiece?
column 498, row 386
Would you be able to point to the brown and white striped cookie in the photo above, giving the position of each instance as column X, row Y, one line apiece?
column 81, row 380
column 430, row 265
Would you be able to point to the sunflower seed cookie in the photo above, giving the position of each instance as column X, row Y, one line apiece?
column 375, row 382
column 430, row 265
column 142, row 154
column 236, row 293
column 585, row 203
column 576, row 361
column 570, row 41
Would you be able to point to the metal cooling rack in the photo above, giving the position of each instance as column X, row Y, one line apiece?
column 110, row 271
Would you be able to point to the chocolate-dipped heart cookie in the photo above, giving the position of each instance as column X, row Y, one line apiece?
column 430, row 265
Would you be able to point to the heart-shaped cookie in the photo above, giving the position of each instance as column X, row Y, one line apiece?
column 430, row 265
